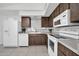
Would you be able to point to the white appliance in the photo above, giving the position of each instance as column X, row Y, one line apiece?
column 23, row 39
column 63, row 35
column 52, row 45
column 10, row 32
column 63, row 19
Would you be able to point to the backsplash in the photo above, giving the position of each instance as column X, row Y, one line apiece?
column 72, row 28
column 70, row 32
column 46, row 30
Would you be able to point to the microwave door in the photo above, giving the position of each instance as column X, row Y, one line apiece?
column 57, row 23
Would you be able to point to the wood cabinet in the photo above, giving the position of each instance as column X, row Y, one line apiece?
column 37, row 39
column 25, row 22
column 50, row 22
column 56, row 11
column 64, row 51
column 74, row 12
column 63, row 7
column 46, row 22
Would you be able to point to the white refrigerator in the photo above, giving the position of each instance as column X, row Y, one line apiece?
column 10, row 32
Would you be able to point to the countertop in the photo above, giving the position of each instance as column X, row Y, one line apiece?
column 34, row 33
column 72, row 44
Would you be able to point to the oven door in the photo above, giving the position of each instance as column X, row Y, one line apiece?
column 52, row 46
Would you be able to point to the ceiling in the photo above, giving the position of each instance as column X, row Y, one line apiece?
column 29, row 9
column 22, row 6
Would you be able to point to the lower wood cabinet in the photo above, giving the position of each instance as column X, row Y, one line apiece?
column 64, row 51
column 37, row 39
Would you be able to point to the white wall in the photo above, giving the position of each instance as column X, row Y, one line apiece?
column 72, row 28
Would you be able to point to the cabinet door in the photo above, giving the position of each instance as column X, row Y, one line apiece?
column 37, row 39
column 34, row 39
column 52, row 15
column 45, row 22
column 26, row 22
column 50, row 22
column 57, row 11
column 61, row 8
column 74, row 12
column 64, row 6
column 60, row 53
column 64, row 51
column 44, row 39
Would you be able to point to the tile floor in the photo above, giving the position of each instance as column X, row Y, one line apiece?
column 40, row 50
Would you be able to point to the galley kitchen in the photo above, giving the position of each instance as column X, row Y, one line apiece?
column 39, row 29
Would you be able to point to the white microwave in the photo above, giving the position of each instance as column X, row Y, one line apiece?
column 63, row 19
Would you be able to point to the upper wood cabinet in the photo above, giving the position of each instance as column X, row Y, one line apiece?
column 46, row 22
column 56, row 11
column 50, row 22
column 63, row 6
column 25, row 22
column 74, row 12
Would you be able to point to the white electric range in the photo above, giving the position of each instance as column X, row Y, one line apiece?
column 53, row 40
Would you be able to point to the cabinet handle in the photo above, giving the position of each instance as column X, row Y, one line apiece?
column 64, row 15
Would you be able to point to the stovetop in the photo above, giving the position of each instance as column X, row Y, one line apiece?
column 58, row 36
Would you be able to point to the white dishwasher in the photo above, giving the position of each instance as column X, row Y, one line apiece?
column 23, row 39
